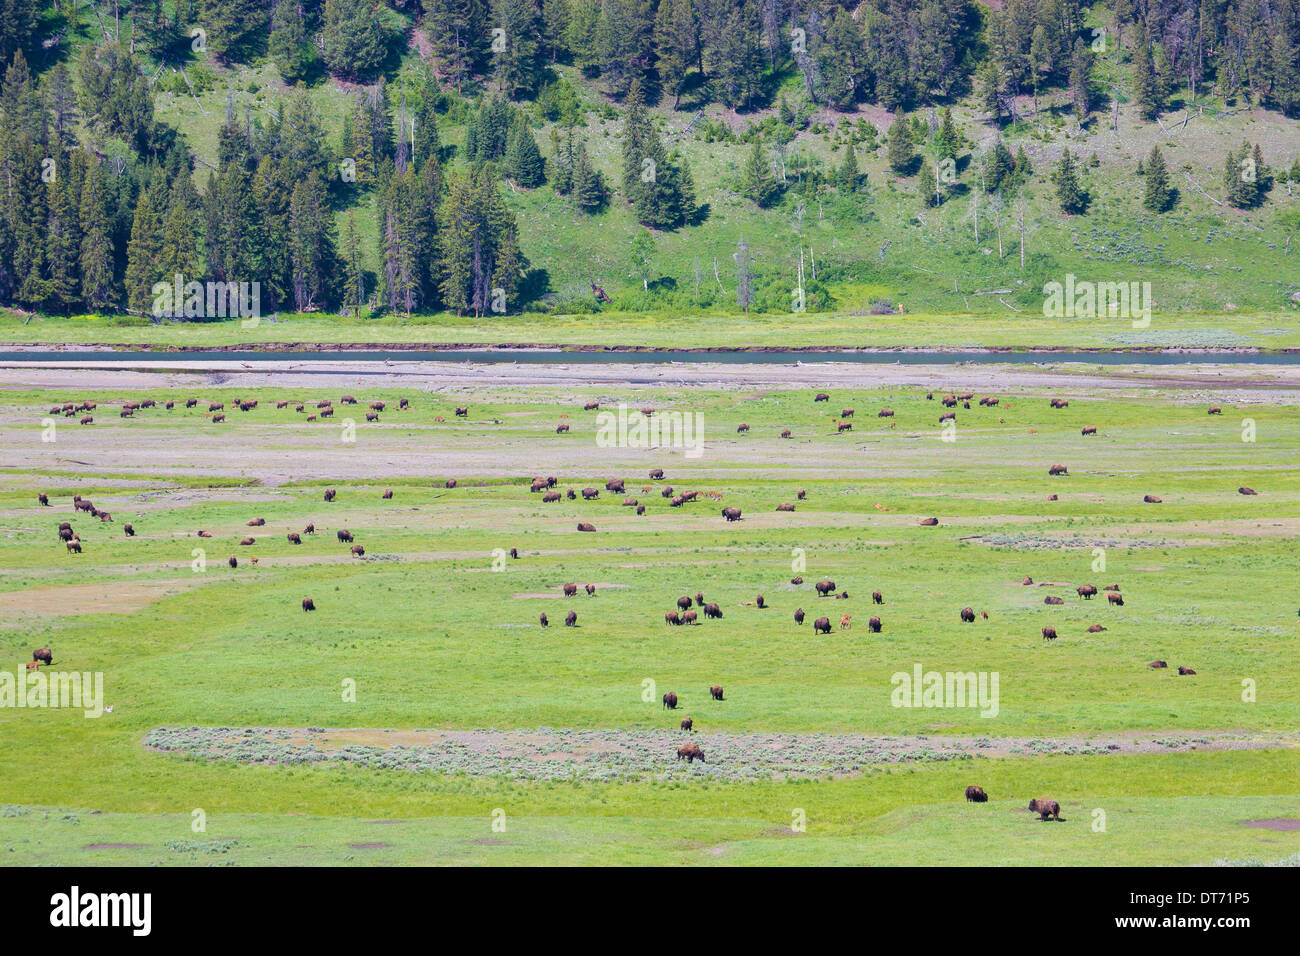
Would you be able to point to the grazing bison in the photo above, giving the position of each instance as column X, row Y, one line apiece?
column 691, row 753
column 672, row 617
column 514, row 553
column 247, row 541
column 44, row 656
column 539, row 484
column 1058, row 470
column 1059, row 403
column 1110, row 587
column 1053, row 599
column 657, row 474
column 308, row 604
column 1089, row 430
column 1186, row 671
column 1087, row 591
column 742, row 427
column 968, row 615
column 640, row 509
column 947, row 417
column 844, row 426
column 43, row 498
column 689, row 617
column 1152, row 500
column 785, row 506
column 798, row 615
column 590, row 493
column 877, row 597
column 1095, row 629
column 929, row 522
column 873, row 625
column 802, row 494
column 449, row 483
column 683, row 602
column 462, row 412
column 1049, row 633
column 1114, row 597
column 130, row 531
column 329, row 494
column 551, row 496
column 797, row 579
column 1156, row 665
column 344, row 535
column 561, row 429
column 1243, row 490
column 591, row 406
column 667, row 492
column 822, row 625
column 358, row 551
column 543, row 621
column 630, row 502
column 571, row 619
column 591, row 590
column 191, row 402
column 310, row 529
column 372, row 416
column 976, row 795
column 716, row 692
column 293, row 538
column 388, row 493
column 1215, row 410
column 687, row 724
column 759, row 601
column 731, row 514
column 824, row 587
column 670, row 701
column 570, row 590
column 846, row 413
column 822, row 397
column 232, row 561
column 586, row 526
column 712, row 610
column 786, row 433
column 256, row 522
column 74, row 546
column 1046, row 809
column 216, row 406
column 885, row 413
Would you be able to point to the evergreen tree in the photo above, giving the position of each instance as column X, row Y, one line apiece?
column 588, row 191
column 455, row 31
column 927, row 185
column 899, row 152
column 1158, row 195
column 523, row 160
column 353, row 276
column 289, row 45
column 1081, row 81
column 228, row 23
column 1148, row 89
column 757, row 181
column 352, row 39
column 142, row 253
column 676, row 43
column 515, row 64
column 1070, row 194
column 96, row 263
column 848, row 178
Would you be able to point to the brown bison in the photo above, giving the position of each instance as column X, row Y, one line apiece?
column 1243, row 490
column 1186, row 671
column 797, row 579
column 539, row 484
column 561, row 429
column 571, row 619
column 130, row 531
column 1053, row 599
column 929, row 522
column 824, row 588
column 1095, row 629
column 1088, row 430
column 630, row 502
column 667, row 492
column 1058, row 470
column 542, row 620
column 976, row 795
column 822, row 625
column 551, row 496
column 74, row 546
column 191, row 402
column 372, row 416
column 844, row 426
column 330, row 494
column 691, row 753
column 1059, row 403
column 716, row 692
column 514, row 553
column 590, row 493
column 885, row 413
column 785, row 506
column 873, row 625
column 802, row 494
column 877, row 597
column 586, row 526
column 968, row 615
column 232, row 561
column 461, row 412
column 310, row 529
column 216, row 406
column 1152, row 500
column 759, row 601
column 591, row 590
column 947, row 417
column 344, row 535
column 670, row 701
column 256, row 522
column 43, row 498
column 358, row 551
column 687, row 724
column 689, row 617
column 293, row 537
column 1049, row 633
column 846, row 413
column 1087, row 591
column 1157, row 665
column 308, row 604
column 1114, row 597
column 87, row 420
column 798, row 615
column 449, row 483
column 731, row 514
column 640, row 509
column 672, row 617
column 785, row 433
column 1046, row 809
column 388, row 494
column 657, row 474
column 822, row 397
column 683, row 602
column 742, row 427
column 570, row 590
column 712, row 610
column 591, row 406
column 247, row 541
column 1215, row 410
column 44, row 656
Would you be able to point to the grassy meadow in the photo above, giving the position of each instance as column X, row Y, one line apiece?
column 431, row 636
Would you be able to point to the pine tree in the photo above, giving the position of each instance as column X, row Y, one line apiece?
column 848, row 178
column 757, row 181
column 676, row 43
column 1147, row 86
column 523, row 160
column 63, row 244
column 588, row 191
column 1081, row 81
column 927, row 185
column 455, row 31
column 352, row 40
column 515, row 64
column 353, row 277
column 97, row 254
column 899, row 152
column 1158, row 196
column 289, row 44
column 142, row 253
column 1071, row 196
column 948, row 141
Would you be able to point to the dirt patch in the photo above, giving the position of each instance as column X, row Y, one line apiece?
column 1284, row 824
column 113, row 597
column 370, row 846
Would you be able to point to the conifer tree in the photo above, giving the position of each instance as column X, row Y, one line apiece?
column 1157, row 196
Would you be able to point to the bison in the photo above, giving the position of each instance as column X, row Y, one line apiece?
column 1088, row 430
column 1186, row 671
column 462, row 411
column 824, row 588
column 670, row 701
column 542, row 620
column 256, row 522
column 798, row 615
column 344, row 535
column 591, row 590
column 130, row 531
column 687, row 724
column 1046, row 809
column 885, row 413
column 672, row 617
column 683, row 602
column 449, row 483
column 742, row 427
column 785, row 506
column 308, row 604
column 590, row 493
column 1049, row 633
column 691, row 753
column 44, row 656
column 371, row 416
column 689, row 617
column 551, row 496
column 43, row 498
column 358, row 551
column 330, row 494
column 1095, row 629
column 561, row 429
column 571, row 619
column 570, row 590
column 968, row 615
column 640, row 509
column 247, row 541
column 846, row 413
column 877, row 597
column 232, row 561
column 822, row 625
column 1243, row 490
column 1053, row 599
column 801, row 494
column 1114, row 597
column 929, row 522
column 74, row 546
column 388, row 493
column 657, row 474
column 873, row 625
column 293, row 538
column 786, row 433
column 716, row 692
column 1086, row 591
column 1058, row 470
column 1152, row 500
column 712, row 610
column 1215, row 410
column 310, row 529
column 1156, row 665
column 976, row 795
column 822, row 397
column 586, row 526
column 731, row 514
column 759, row 601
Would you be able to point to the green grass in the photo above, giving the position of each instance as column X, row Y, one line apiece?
column 434, row 638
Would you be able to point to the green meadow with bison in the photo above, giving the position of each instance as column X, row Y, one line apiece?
column 436, row 663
